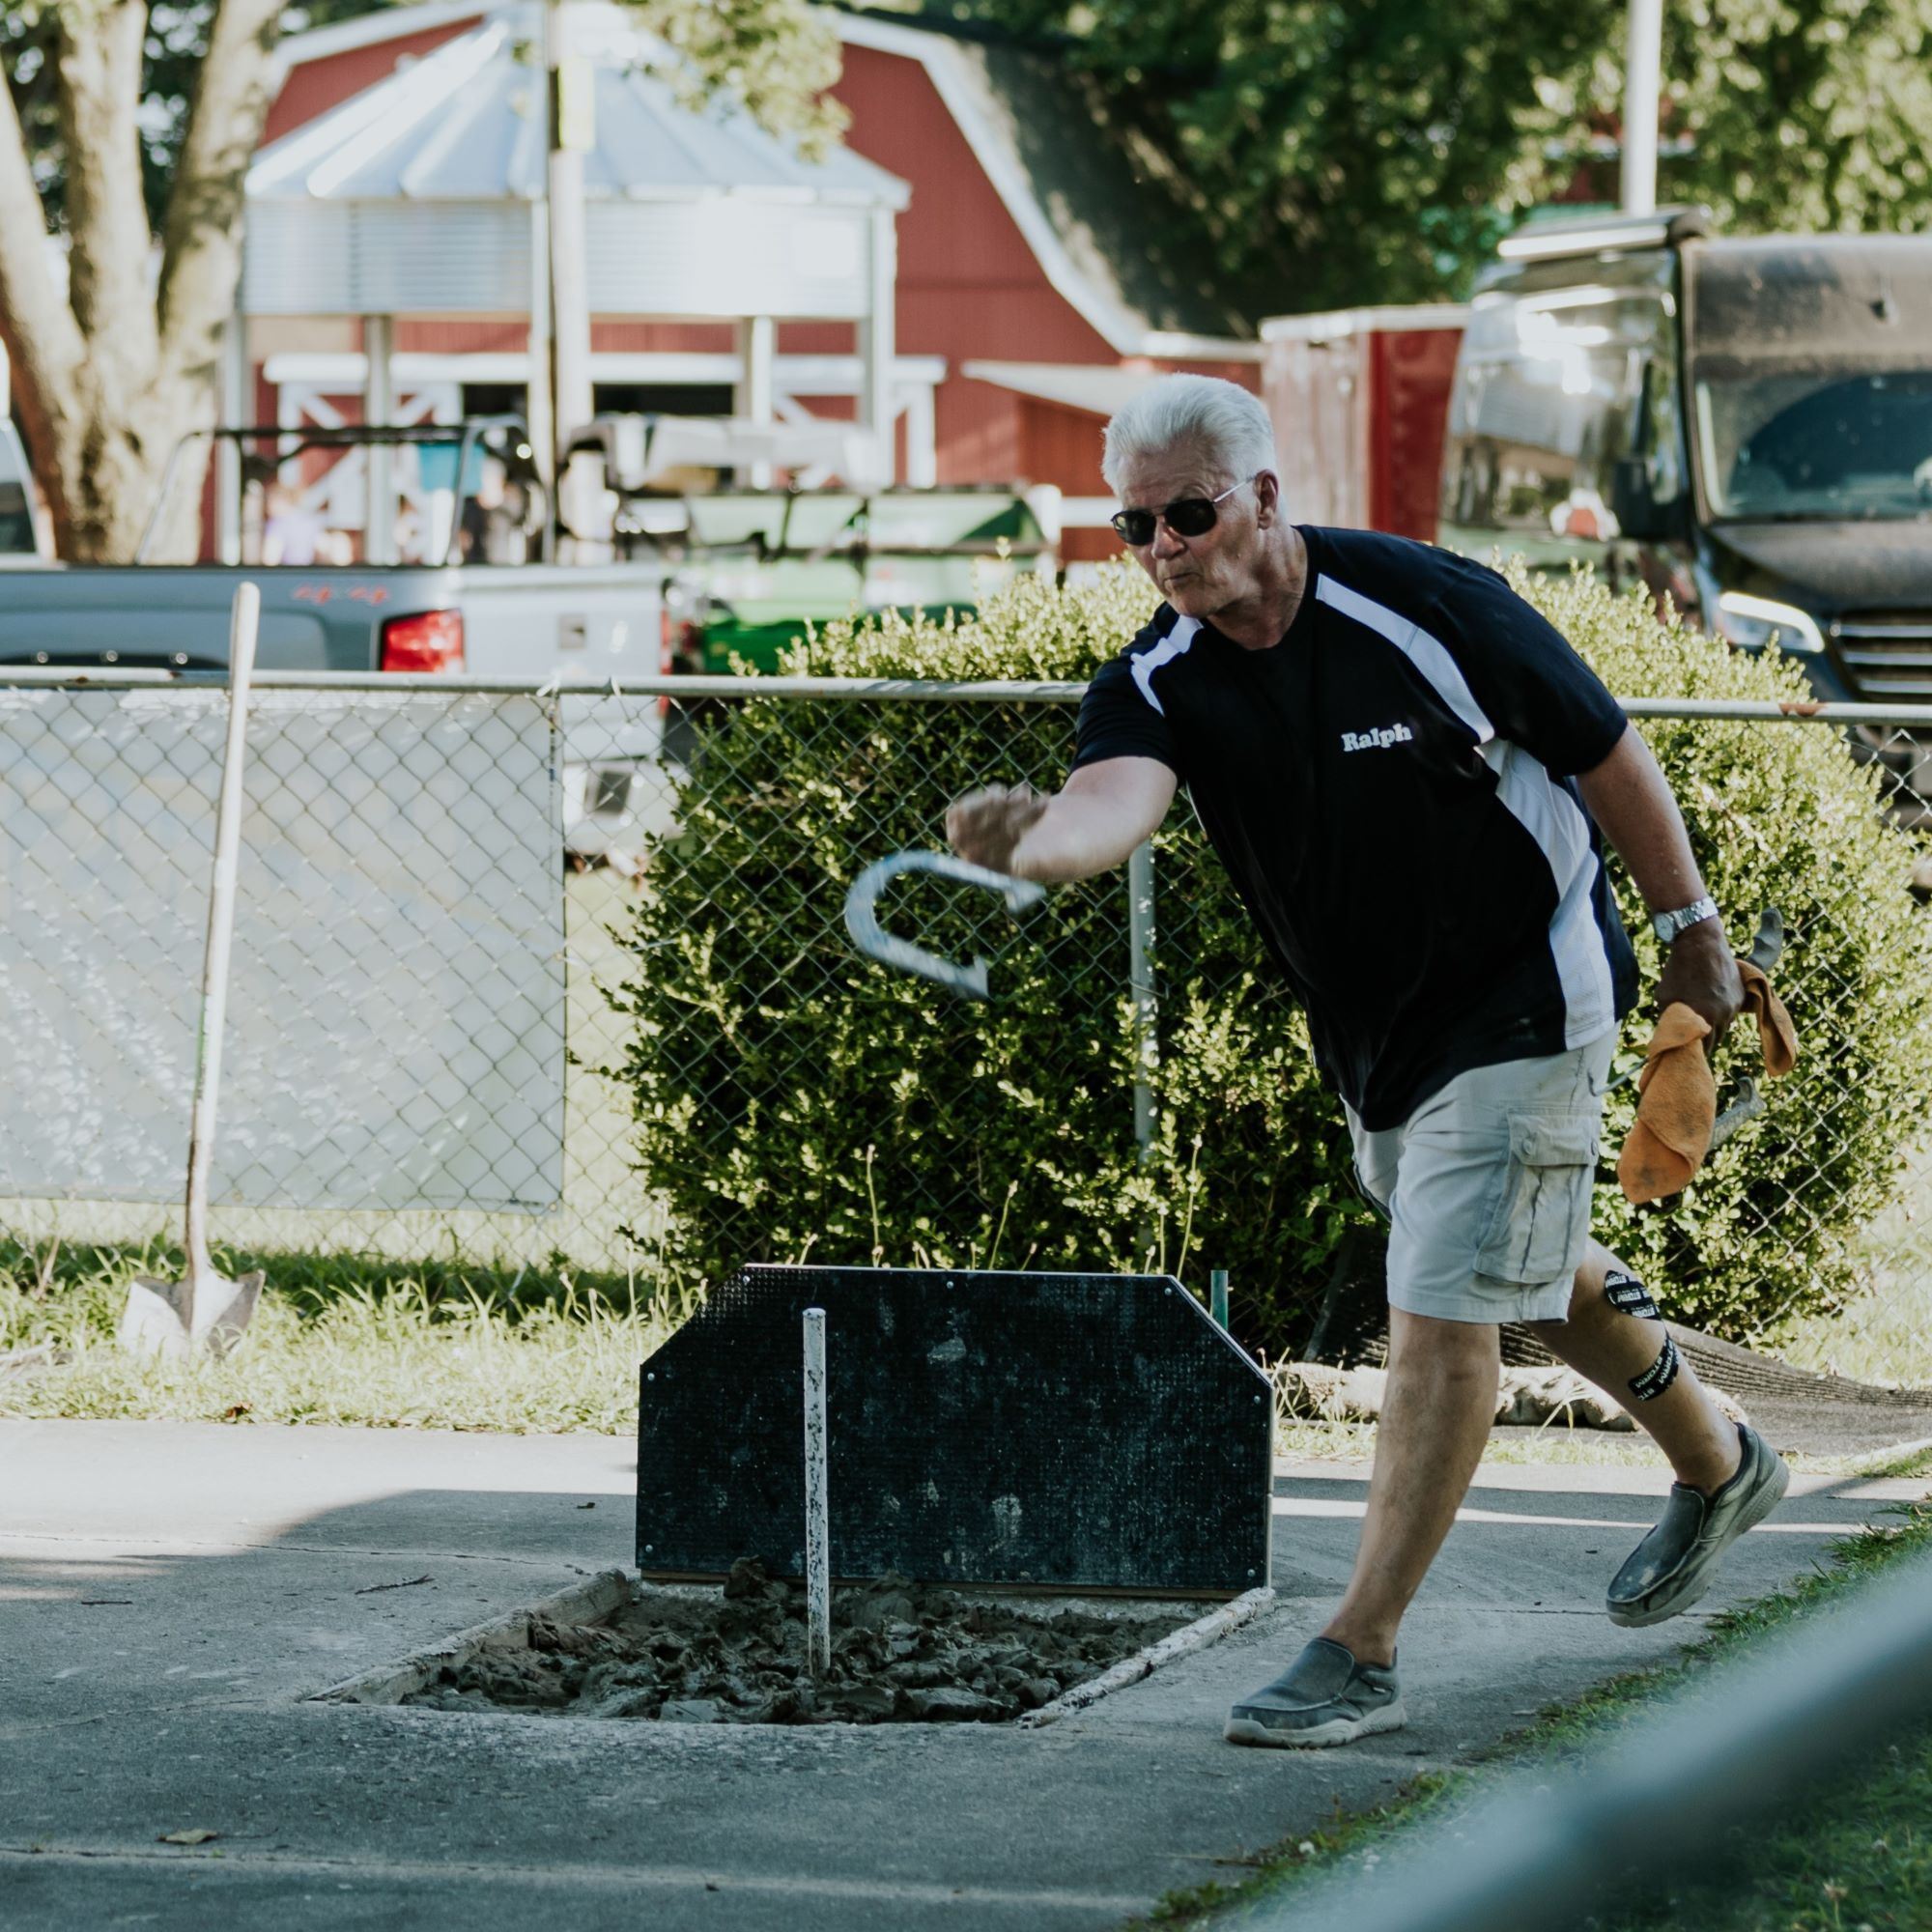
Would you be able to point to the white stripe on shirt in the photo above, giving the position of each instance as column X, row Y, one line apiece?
column 1548, row 811
column 1557, row 822
column 1426, row 653
column 1175, row 644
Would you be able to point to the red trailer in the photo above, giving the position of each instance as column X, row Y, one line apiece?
column 1360, row 399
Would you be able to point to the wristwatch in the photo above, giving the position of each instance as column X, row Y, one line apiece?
column 1668, row 925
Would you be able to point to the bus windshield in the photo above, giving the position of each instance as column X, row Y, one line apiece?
column 1835, row 445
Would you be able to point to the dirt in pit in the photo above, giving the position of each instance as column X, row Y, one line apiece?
column 901, row 1652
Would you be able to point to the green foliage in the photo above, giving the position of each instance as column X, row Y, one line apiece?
column 1373, row 152
column 1802, row 114
column 1780, row 815
column 1331, row 153
column 793, row 1100
column 774, row 56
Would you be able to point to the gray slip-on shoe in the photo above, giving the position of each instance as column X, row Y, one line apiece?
column 1676, row 1563
column 1323, row 1697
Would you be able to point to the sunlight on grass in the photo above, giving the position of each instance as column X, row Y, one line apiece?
column 1853, row 1851
column 1356, row 1442
column 1560, row 1447
column 1885, row 1336
column 341, row 1340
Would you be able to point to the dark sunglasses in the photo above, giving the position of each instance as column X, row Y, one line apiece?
column 1186, row 516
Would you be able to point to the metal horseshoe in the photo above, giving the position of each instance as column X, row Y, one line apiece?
column 862, row 919
column 1746, row 1103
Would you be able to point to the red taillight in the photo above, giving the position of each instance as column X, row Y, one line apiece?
column 430, row 640
column 680, row 647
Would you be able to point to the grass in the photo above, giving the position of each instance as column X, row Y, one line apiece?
column 1356, row 1442
column 1886, row 1336
column 341, row 1339
column 1554, row 1446
column 1857, row 1858
column 360, row 1338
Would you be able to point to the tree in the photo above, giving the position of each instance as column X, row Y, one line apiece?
column 1802, row 114
column 1343, row 152
column 126, row 134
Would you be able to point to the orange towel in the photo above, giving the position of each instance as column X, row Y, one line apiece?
column 1673, row 1132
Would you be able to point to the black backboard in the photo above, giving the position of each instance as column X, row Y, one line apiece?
column 1063, row 1431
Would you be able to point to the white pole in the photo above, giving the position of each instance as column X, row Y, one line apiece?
column 541, row 416
column 243, row 622
column 378, row 405
column 922, row 439
column 1139, row 985
column 817, row 1538
column 570, row 81
column 538, row 385
column 1642, row 88
column 878, row 348
column 752, row 394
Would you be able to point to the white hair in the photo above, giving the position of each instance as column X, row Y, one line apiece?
column 1224, row 422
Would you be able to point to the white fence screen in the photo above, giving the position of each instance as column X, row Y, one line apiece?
column 395, row 1032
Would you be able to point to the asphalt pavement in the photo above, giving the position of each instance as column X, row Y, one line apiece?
column 172, row 1597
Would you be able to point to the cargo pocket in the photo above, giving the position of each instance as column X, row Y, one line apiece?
column 1542, row 1221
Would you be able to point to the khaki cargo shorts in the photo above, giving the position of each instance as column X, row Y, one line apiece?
column 1487, row 1187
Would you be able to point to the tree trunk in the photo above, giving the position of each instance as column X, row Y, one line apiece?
column 115, row 459
column 114, row 370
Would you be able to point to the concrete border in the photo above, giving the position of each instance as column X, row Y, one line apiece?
column 585, row 1602
column 1186, row 1641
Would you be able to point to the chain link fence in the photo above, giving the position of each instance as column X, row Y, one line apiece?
column 1843, row 1157
column 472, row 915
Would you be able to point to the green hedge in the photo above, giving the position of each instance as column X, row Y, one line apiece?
column 793, row 1099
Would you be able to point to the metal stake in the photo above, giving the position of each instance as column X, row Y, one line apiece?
column 1217, row 1297
column 817, row 1538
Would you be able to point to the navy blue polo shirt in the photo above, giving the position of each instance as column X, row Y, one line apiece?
column 1391, row 787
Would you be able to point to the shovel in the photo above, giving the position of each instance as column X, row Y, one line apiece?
column 170, row 1320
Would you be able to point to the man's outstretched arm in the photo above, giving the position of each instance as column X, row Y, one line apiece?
column 1630, row 799
column 1089, row 826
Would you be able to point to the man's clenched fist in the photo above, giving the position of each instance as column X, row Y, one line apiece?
column 985, row 826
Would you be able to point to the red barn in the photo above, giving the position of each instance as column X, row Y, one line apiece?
column 1028, row 304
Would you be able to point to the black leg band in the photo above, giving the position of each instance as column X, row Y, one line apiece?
column 1660, row 1374
column 1627, row 1296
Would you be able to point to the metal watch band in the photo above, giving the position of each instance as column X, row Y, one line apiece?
column 1668, row 925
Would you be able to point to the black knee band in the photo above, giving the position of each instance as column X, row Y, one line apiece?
column 1660, row 1374
column 1627, row 1296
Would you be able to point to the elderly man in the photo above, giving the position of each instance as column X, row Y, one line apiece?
column 1404, row 769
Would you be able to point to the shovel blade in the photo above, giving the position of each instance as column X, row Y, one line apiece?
column 171, row 1321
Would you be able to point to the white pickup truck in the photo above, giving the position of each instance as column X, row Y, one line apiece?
column 471, row 593
column 463, row 598
column 697, row 580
